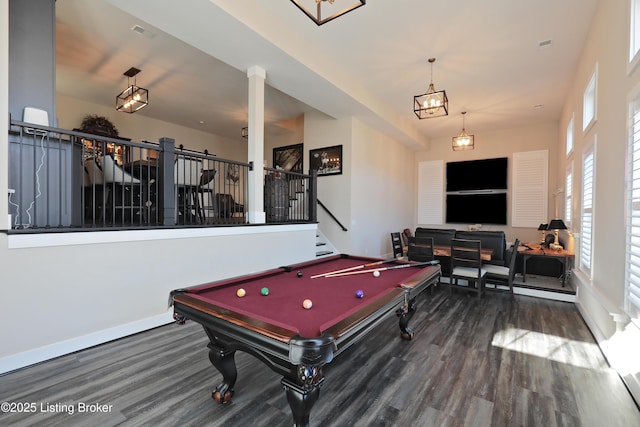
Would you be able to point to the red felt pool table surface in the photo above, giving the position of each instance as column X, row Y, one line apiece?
column 334, row 299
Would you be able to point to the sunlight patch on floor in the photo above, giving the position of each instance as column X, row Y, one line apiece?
column 563, row 350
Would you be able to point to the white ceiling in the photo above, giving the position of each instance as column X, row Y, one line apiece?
column 368, row 63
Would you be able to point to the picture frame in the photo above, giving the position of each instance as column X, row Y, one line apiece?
column 289, row 158
column 327, row 160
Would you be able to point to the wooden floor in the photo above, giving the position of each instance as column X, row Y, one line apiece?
column 494, row 362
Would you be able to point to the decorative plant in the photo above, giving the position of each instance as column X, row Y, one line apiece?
column 98, row 125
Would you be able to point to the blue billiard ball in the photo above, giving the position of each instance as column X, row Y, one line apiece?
column 359, row 294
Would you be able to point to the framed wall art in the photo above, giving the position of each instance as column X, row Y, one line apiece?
column 288, row 158
column 326, row 161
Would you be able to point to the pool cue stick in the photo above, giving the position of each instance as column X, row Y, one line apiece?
column 371, row 264
column 415, row 264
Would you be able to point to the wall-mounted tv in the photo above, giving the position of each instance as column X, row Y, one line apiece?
column 482, row 208
column 471, row 175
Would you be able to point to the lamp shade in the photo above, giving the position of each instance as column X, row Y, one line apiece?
column 543, row 227
column 556, row 224
column 433, row 103
column 133, row 97
column 464, row 141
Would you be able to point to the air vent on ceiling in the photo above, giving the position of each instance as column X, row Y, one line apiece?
column 544, row 44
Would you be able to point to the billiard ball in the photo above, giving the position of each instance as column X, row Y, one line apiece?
column 264, row 291
column 307, row 304
column 241, row 292
column 299, row 273
column 359, row 294
column 376, row 274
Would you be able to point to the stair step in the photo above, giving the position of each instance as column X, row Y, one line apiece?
column 320, row 243
column 322, row 253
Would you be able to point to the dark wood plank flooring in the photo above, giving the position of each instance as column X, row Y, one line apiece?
column 492, row 362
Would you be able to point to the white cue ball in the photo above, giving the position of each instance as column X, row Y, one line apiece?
column 376, row 274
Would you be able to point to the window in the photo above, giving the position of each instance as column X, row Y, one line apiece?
column 568, row 199
column 570, row 135
column 632, row 217
column 586, row 215
column 634, row 27
column 589, row 101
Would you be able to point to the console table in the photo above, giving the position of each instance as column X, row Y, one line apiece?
column 562, row 256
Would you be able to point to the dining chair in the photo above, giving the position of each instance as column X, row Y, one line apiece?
column 466, row 264
column 406, row 235
column 123, row 200
column 93, row 190
column 503, row 275
column 396, row 245
column 226, row 207
column 420, row 249
column 187, row 173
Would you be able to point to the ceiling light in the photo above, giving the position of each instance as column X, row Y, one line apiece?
column 133, row 97
column 323, row 11
column 433, row 103
column 464, row 141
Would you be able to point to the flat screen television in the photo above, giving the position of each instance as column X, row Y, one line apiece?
column 483, row 208
column 471, row 175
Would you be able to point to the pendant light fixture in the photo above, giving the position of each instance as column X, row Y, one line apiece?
column 464, row 141
column 323, row 11
column 433, row 103
column 133, row 97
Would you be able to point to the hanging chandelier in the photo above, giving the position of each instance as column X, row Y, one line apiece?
column 433, row 103
column 133, row 97
column 323, row 11
column 464, row 141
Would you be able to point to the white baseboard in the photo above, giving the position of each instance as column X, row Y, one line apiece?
column 539, row 293
column 31, row 357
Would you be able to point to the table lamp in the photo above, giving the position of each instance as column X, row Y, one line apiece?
column 542, row 228
column 555, row 225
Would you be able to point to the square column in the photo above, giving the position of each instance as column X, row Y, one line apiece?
column 255, row 150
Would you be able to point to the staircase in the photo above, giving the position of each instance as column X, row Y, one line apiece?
column 323, row 246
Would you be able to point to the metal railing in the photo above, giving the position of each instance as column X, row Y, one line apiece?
column 61, row 180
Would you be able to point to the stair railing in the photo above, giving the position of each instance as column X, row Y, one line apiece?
column 332, row 215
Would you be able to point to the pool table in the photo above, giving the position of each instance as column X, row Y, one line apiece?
column 292, row 340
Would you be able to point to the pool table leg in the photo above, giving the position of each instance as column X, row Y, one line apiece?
column 301, row 399
column 405, row 313
column 224, row 361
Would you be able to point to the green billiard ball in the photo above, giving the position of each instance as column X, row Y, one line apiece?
column 264, row 291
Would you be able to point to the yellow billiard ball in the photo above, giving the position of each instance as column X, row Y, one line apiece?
column 241, row 292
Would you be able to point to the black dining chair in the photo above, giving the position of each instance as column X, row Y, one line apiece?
column 466, row 264
column 420, row 249
column 396, row 245
column 503, row 275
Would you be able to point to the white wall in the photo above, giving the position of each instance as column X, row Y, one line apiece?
column 64, row 292
column 501, row 143
column 382, row 190
column 601, row 296
column 334, row 190
column 137, row 127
